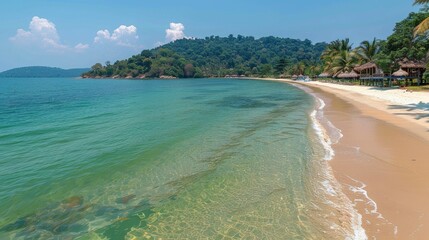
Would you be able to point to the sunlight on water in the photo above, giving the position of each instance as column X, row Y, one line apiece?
column 169, row 159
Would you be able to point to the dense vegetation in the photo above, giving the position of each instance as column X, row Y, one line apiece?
column 37, row 72
column 339, row 56
column 217, row 56
column 271, row 56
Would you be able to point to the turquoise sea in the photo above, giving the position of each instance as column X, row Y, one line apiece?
column 164, row 159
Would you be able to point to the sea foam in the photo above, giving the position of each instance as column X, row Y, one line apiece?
column 317, row 117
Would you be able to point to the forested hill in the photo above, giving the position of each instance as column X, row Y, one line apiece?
column 38, row 72
column 215, row 56
column 245, row 54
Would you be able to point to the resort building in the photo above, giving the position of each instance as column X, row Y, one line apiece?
column 348, row 75
column 370, row 74
column 369, row 71
column 415, row 69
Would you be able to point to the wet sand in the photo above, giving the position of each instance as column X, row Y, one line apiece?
column 382, row 163
column 382, row 167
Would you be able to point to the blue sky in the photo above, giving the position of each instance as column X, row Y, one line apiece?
column 72, row 33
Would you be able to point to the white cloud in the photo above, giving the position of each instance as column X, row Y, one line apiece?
column 123, row 36
column 21, row 34
column 175, row 32
column 101, row 35
column 81, row 47
column 42, row 33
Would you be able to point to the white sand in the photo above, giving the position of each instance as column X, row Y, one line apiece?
column 409, row 110
column 411, row 107
column 393, row 96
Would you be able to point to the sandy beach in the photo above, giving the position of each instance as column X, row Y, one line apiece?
column 381, row 161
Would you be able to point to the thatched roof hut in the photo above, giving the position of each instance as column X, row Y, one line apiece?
column 325, row 74
column 369, row 70
column 400, row 73
column 352, row 74
column 406, row 63
column 415, row 69
column 342, row 75
column 365, row 66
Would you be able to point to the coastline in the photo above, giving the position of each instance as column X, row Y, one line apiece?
column 380, row 161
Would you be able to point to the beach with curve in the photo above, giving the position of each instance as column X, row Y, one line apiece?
column 381, row 158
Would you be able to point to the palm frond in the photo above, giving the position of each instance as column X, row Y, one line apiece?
column 422, row 27
column 420, row 2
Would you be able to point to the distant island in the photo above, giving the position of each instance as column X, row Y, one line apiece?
column 43, row 72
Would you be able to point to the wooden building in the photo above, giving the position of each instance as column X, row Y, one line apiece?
column 415, row 69
column 369, row 71
column 370, row 74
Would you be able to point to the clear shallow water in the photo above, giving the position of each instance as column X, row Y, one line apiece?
column 199, row 158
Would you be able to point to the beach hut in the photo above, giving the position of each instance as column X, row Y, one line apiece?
column 342, row 75
column 415, row 69
column 370, row 71
column 400, row 73
column 325, row 75
column 352, row 74
column 370, row 74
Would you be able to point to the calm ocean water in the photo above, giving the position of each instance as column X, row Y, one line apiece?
column 205, row 158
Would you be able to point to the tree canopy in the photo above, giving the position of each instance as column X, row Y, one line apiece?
column 216, row 56
column 339, row 56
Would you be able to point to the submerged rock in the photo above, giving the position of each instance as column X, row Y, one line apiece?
column 72, row 202
column 20, row 223
column 125, row 199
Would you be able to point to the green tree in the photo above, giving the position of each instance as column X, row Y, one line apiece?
column 97, row 66
column 335, row 47
column 146, row 54
column 280, row 66
column 402, row 43
column 339, row 56
column 345, row 61
column 265, row 70
column 218, row 56
column 97, row 69
column 367, row 51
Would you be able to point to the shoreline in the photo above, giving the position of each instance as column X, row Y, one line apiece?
column 380, row 161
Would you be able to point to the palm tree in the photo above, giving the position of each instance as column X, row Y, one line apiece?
column 329, row 64
column 313, row 69
column 335, row 47
column 338, row 56
column 368, row 50
column 424, row 25
column 345, row 61
column 298, row 68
